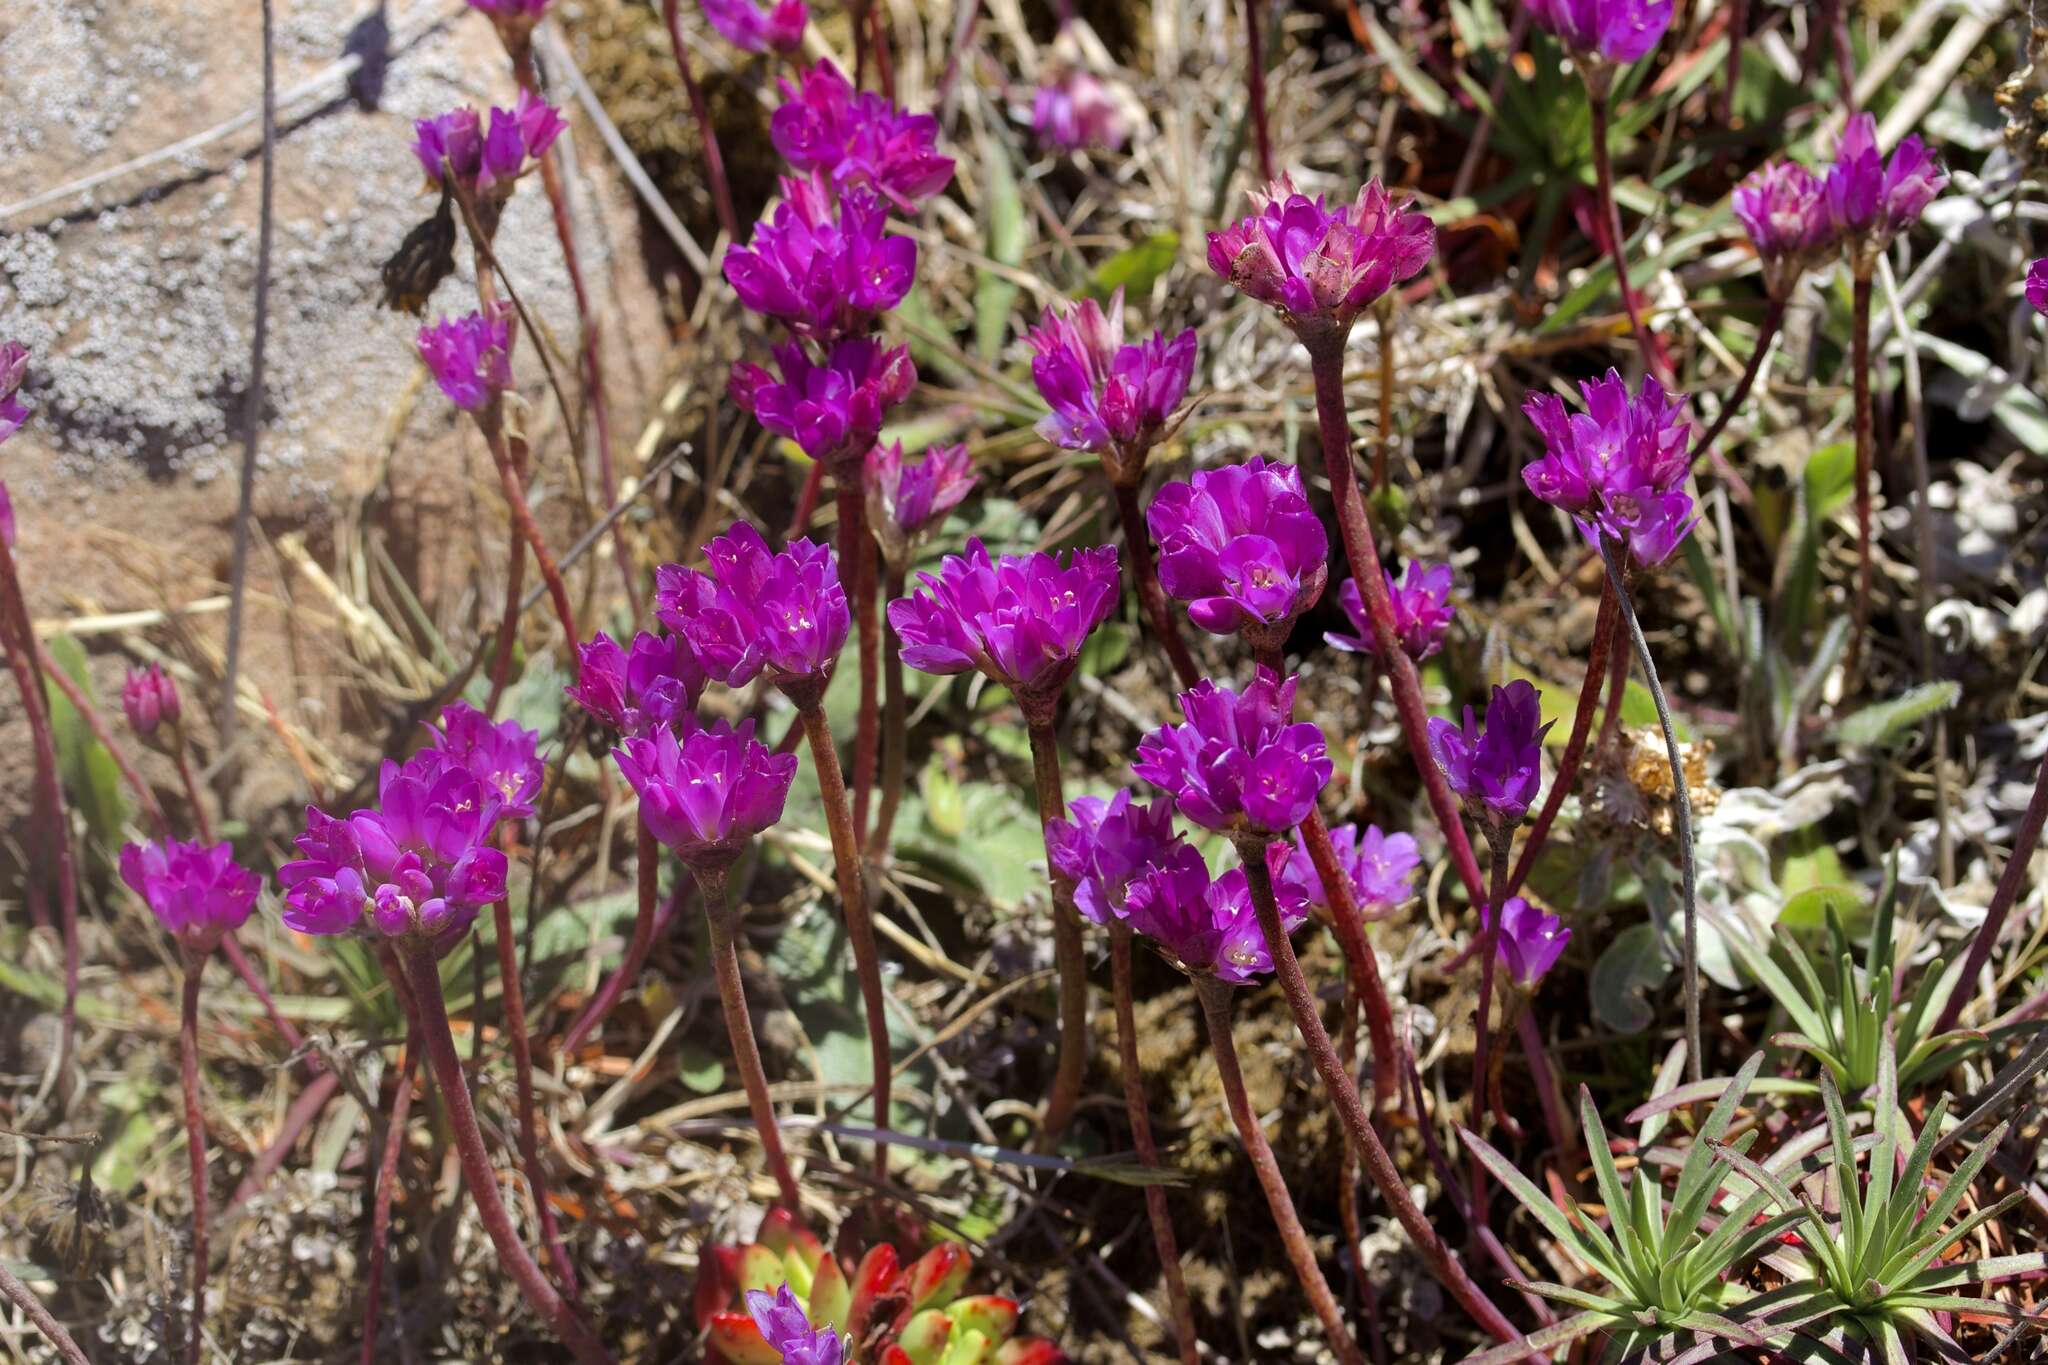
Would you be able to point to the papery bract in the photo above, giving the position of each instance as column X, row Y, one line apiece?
column 827, row 273
column 197, row 891
column 1320, row 266
column 1617, row 468
column 1240, row 762
column 1240, row 545
column 656, row 683
column 858, row 138
column 1021, row 619
column 149, row 698
column 705, row 793
column 1209, row 926
column 834, row 410
column 1105, row 845
column 1106, row 396
column 1530, row 941
column 1421, row 601
column 1498, row 769
column 470, row 357
column 755, row 608
column 746, row 25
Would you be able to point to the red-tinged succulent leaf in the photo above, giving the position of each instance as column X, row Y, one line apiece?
column 760, row 1268
column 968, row 1348
column 831, row 1296
column 895, row 1355
column 718, row 1283
column 805, row 1246
column 991, row 1315
column 925, row 1336
column 777, row 1229
column 734, row 1338
column 873, row 1279
column 1029, row 1351
column 934, row 1279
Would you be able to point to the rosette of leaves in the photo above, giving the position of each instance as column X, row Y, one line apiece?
column 1660, row 1270
column 887, row 1312
column 1862, row 1279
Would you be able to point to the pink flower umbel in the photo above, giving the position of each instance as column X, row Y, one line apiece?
column 826, row 272
column 1530, row 941
column 1616, row 31
column 1020, row 619
column 747, row 25
column 470, row 357
column 858, row 138
column 655, row 684
column 1617, row 467
column 13, row 372
column 503, row 755
column 908, row 497
column 757, row 609
column 1871, row 200
column 2037, row 285
column 196, row 891
column 1076, row 112
column 1317, row 266
column 149, row 698
column 1783, row 207
column 785, row 1327
column 480, row 158
column 1496, row 771
column 1380, row 867
column 1105, row 845
column 704, row 794
column 1240, row 762
column 1422, row 612
column 1106, row 396
column 834, row 410
column 1242, row 547
column 1206, row 925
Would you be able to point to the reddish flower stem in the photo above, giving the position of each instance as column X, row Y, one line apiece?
column 1654, row 359
column 857, row 564
column 1575, row 743
column 1326, row 360
column 1489, row 937
column 1069, row 955
column 1216, row 1009
column 1151, row 596
column 885, row 70
column 739, row 1028
column 1384, row 445
column 1767, row 332
column 895, row 721
column 490, row 421
column 1135, row 1110
column 806, row 501
column 195, row 1147
column 387, row 1188
column 514, row 1003
column 648, row 875
column 1852, row 665
column 1366, row 986
column 714, row 160
column 1731, row 76
column 853, row 905
column 477, row 1174
column 1618, row 661
column 1301, row 1001
column 1255, row 87
column 2003, row 897
column 297, row 1119
column 17, row 1293
column 95, row 722
column 508, row 624
column 1545, row 1080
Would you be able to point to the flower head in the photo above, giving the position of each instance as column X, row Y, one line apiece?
column 746, row 25
column 1617, row 467
column 1105, row 845
column 858, row 138
column 1617, row 31
column 1421, row 599
column 654, row 684
column 1380, row 867
column 2037, row 285
column 705, row 793
column 1240, row 762
column 503, row 755
column 482, row 159
column 1020, row 619
column 826, row 273
column 417, row 865
column 1529, row 942
column 197, row 891
column 1241, row 546
column 1872, row 200
column 149, row 698
column 1106, row 396
column 834, row 410
column 786, row 1328
column 13, row 371
column 1208, row 925
column 905, row 497
column 1317, row 265
column 471, row 356
column 1784, row 209
column 1077, row 111
column 755, row 608
column 1498, row 770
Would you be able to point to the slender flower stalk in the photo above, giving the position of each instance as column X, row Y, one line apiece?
column 1648, row 344
column 895, row 723
column 1255, row 84
column 298, row 1117
column 1859, row 365
column 714, row 160
column 1536, row 1052
column 1530, row 942
column 387, row 1190
column 1363, row 977
column 739, row 1028
column 1382, row 448
column 2003, row 897
column 1575, row 743
column 43, row 1320
column 1070, row 956
column 857, row 552
column 195, row 1149
column 514, row 1004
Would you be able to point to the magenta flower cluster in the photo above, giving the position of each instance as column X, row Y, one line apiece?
column 1208, row 924
column 502, row 755
column 196, row 891
column 907, row 497
column 1421, row 600
column 1617, row 31
column 757, row 609
column 1240, row 762
column 1530, row 941
column 1020, row 619
column 654, row 685
column 746, row 25
column 1870, row 199
column 833, row 410
column 13, row 374
column 1241, row 546
column 858, row 139
column 1105, row 845
column 787, row 1329
column 1075, row 111
column 1783, row 208
column 1321, row 266
column 826, row 272
column 1496, row 769
column 482, row 159
column 149, row 698
column 704, row 791
column 470, row 357
column 1617, row 468
column 2037, row 285
column 1108, row 397
column 1380, row 868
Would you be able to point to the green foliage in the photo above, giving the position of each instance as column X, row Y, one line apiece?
column 1136, row 268
column 91, row 777
column 995, row 295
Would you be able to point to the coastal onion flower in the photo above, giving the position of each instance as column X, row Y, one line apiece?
column 1020, row 619
column 704, row 794
column 416, row 866
column 13, row 373
column 786, row 1328
column 1076, row 111
column 747, row 26
column 1783, row 207
column 653, row 685
column 1106, row 396
column 1871, row 200
column 480, row 158
column 2037, row 288
column 1422, row 612
column 1529, row 942
column 1380, row 867
column 196, row 891
column 1317, row 266
column 757, row 609
column 471, row 356
column 825, row 272
column 834, row 410
column 857, row 138
column 1616, row 469
column 1240, row 763
column 1207, row 925
column 1496, row 770
column 906, row 497
column 1242, row 547
column 503, row 755
column 1616, row 31
column 149, row 698
column 1105, row 845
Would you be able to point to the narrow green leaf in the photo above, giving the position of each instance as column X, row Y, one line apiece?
column 1003, row 223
